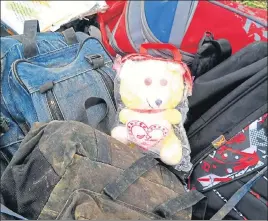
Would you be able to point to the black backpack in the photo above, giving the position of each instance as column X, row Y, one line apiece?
column 227, row 131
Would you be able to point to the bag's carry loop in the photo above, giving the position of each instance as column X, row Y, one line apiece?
column 239, row 194
column 31, row 27
column 96, row 105
column 161, row 46
column 130, row 175
column 9, row 212
column 187, row 200
column 70, row 36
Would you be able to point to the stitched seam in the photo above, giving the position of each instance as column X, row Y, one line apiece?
column 1, row 147
column 234, row 208
column 33, row 90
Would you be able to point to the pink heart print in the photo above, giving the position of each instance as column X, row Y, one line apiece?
column 146, row 136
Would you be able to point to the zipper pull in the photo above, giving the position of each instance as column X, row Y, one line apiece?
column 46, row 87
column 221, row 140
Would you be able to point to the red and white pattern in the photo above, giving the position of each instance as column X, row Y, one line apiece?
column 146, row 136
column 244, row 153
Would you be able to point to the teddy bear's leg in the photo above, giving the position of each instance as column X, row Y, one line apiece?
column 120, row 134
column 171, row 151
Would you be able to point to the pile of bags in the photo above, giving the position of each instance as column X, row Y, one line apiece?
column 156, row 120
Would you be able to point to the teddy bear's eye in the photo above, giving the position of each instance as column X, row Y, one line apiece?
column 163, row 82
column 148, row 81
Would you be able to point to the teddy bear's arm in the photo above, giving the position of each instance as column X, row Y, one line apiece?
column 173, row 116
column 124, row 115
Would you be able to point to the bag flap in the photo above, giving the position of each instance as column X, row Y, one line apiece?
column 238, row 157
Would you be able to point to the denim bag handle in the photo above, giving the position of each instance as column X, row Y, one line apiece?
column 96, row 111
column 31, row 28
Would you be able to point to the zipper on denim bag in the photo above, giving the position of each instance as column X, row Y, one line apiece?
column 108, row 83
column 53, row 105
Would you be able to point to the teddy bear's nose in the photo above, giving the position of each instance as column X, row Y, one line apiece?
column 158, row 102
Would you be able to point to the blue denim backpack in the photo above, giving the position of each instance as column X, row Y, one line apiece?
column 53, row 76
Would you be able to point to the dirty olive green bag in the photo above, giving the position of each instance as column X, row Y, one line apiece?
column 67, row 170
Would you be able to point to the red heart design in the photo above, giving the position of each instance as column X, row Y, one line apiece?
column 143, row 135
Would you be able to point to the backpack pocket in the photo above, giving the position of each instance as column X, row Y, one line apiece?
column 60, row 93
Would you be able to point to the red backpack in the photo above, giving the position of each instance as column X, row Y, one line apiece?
column 128, row 24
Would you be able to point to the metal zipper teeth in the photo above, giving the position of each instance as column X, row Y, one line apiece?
column 228, row 135
column 55, row 112
column 54, row 106
column 223, row 109
column 14, row 65
column 108, row 83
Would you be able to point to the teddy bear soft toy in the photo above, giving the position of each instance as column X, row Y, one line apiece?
column 152, row 100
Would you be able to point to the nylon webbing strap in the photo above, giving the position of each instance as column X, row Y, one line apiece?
column 239, row 194
column 70, row 36
column 9, row 212
column 129, row 176
column 31, row 27
column 224, row 47
column 187, row 200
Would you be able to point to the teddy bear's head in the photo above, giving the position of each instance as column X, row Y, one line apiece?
column 151, row 84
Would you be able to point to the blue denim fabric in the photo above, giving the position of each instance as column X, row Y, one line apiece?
column 74, row 83
column 49, row 45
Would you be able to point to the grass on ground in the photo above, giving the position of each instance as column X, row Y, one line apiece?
column 255, row 4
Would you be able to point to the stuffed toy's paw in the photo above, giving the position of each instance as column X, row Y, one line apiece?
column 171, row 152
column 120, row 134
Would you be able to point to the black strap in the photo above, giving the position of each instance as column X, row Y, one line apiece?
column 70, row 36
column 239, row 194
column 31, row 27
column 130, row 175
column 224, row 48
column 168, row 209
column 9, row 212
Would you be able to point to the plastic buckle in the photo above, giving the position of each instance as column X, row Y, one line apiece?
column 95, row 60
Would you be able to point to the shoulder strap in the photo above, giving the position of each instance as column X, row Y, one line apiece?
column 165, row 210
column 192, row 198
column 130, row 175
column 224, row 48
column 239, row 194
column 9, row 212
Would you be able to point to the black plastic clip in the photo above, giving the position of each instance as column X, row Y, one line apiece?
column 95, row 60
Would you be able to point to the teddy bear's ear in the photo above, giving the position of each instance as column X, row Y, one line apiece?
column 126, row 68
column 176, row 68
